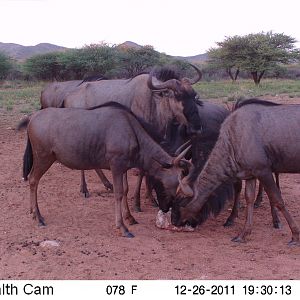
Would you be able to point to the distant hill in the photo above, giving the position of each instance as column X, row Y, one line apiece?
column 20, row 52
column 192, row 59
column 129, row 44
column 195, row 59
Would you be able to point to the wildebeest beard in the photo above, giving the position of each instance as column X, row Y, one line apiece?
column 164, row 200
column 191, row 113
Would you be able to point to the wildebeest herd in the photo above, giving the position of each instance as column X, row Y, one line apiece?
column 194, row 154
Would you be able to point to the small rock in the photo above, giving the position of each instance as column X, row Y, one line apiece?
column 49, row 244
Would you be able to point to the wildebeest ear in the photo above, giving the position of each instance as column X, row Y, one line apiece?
column 163, row 164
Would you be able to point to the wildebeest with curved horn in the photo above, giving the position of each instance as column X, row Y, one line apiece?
column 257, row 139
column 88, row 139
column 156, row 98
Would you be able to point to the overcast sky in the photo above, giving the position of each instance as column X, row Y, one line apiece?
column 176, row 27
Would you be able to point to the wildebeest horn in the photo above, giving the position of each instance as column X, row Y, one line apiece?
column 198, row 76
column 182, row 147
column 163, row 164
column 169, row 84
column 184, row 187
column 181, row 156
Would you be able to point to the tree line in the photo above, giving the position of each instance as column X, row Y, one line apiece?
column 256, row 55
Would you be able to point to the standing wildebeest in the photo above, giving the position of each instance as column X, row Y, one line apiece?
column 89, row 139
column 156, row 98
column 53, row 95
column 257, row 139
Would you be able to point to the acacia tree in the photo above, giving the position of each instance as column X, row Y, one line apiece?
column 43, row 66
column 5, row 65
column 255, row 53
column 227, row 56
column 136, row 60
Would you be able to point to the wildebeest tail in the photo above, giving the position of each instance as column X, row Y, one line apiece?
column 23, row 123
column 27, row 160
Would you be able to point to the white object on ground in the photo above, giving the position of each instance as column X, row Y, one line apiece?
column 163, row 221
column 49, row 244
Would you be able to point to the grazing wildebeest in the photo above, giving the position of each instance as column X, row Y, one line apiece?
column 255, row 140
column 212, row 116
column 88, row 139
column 156, row 98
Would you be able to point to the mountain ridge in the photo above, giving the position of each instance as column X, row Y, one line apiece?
column 20, row 52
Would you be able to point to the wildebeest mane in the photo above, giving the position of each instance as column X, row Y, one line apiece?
column 166, row 73
column 161, row 73
column 148, row 127
column 241, row 103
column 92, row 78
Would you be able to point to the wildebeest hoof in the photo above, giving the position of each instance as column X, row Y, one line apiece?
column 257, row 204
column 132, row 221
column 137, row 209
column 109, row 188
column 293, row 243
column 277, row 225
column 42, row 223
column 128, row 234
column 228, row 223
column 238, row 239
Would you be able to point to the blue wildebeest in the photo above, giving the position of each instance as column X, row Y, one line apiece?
column 53, row 95
column 257, row 139
column 88, row 139
column 156, row 98
column 212, row 116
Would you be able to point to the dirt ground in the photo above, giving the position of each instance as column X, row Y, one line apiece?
column 89, row 247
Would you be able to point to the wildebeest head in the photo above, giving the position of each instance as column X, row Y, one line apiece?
column 174, row 177
column 181, row 216
column 182, row 97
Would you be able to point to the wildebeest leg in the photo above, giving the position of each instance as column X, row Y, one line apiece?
column 250, row 196
column 39, row 168
column 277, row 201
column 126, row 212
column 149, row 188
column 137, row 192
column 104, row 180
column 118, row 193
column 235, row 208
column 274, row 212
column 259, row 196
column 83, row 187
